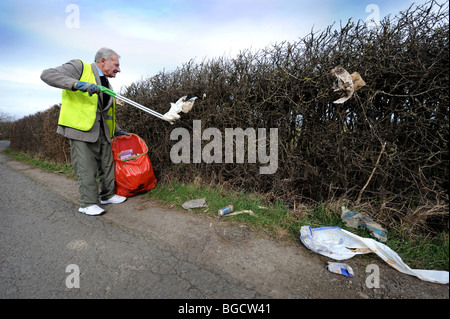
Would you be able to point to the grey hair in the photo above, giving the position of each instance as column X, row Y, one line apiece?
column 104, row 53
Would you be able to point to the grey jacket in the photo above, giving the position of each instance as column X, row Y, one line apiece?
column 64, row 77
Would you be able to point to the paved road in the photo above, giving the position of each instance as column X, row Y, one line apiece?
column 45, row 243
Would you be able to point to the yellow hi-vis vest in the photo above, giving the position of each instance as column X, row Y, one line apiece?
column 79, row 110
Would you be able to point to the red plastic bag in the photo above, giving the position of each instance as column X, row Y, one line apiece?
column 134, row 172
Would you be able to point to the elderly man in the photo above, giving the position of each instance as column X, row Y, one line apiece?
column 87, row 119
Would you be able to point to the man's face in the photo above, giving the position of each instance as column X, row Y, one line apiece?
column 109, row 67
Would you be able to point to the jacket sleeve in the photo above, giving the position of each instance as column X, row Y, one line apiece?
column 64, row 76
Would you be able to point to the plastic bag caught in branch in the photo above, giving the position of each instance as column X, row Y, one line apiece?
column 180, row 106
column 346, row 83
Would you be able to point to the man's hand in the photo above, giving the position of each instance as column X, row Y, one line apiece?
column 91, row 88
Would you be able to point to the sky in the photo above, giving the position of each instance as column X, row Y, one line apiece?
column 151, row 36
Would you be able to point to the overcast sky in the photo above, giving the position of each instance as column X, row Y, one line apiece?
column 150, row 35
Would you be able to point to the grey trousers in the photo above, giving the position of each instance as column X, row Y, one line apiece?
column 88, row 160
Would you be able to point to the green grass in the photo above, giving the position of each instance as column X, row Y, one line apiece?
column 266, row 219
column 276, row 220
column 65, row 169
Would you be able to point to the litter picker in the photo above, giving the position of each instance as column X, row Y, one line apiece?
column 180, row 106
column 120, row 97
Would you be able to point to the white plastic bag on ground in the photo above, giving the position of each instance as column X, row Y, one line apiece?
column 339, row 244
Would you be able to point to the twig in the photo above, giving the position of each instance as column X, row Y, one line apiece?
column 371, row 175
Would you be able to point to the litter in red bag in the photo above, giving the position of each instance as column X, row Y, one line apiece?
column 133, row 168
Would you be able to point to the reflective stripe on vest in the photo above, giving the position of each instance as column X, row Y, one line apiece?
column 110, row 118
column 79, row 110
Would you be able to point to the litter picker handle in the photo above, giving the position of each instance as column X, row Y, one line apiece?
column 107, row 91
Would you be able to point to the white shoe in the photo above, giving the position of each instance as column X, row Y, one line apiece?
column 116, row 199
column 92, row 210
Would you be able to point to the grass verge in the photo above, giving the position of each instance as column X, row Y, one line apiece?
column 276, row 220
column 65, row 169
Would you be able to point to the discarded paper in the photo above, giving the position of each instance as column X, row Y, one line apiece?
column 195, row 203
column 346, row 83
